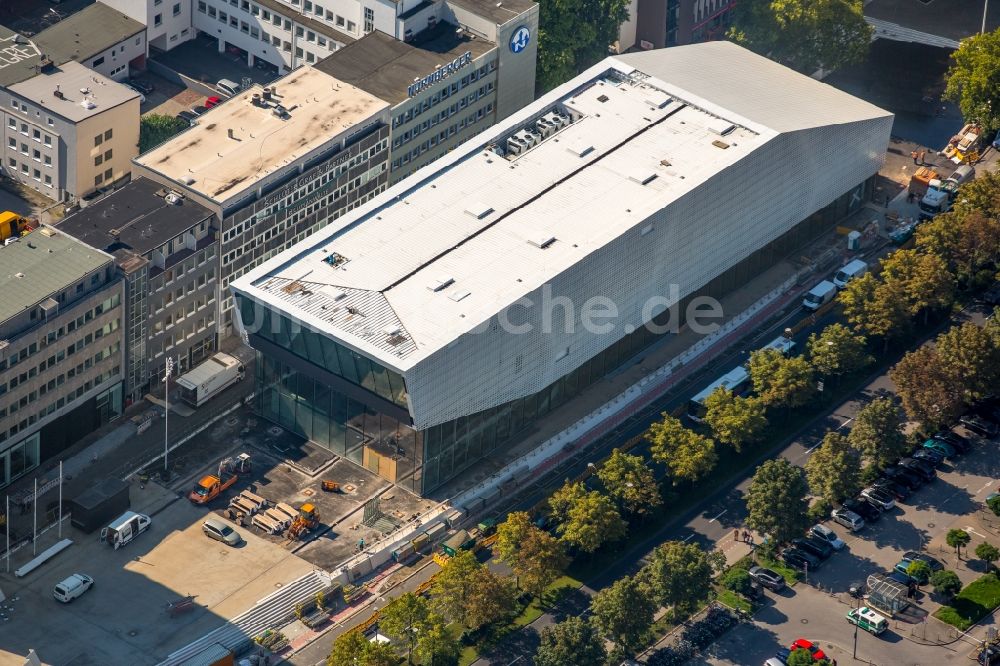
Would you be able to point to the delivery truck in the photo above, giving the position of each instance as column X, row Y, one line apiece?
column 125, row 528
column 210, row 378
column 820, row 295
column 99, row 504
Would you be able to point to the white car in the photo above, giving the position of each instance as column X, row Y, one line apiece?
column 218, row 530
column 879, row 498
column 72, row 587
column 826, row 534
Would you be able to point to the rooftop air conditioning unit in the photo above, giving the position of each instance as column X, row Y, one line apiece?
column 527, row 138
column 515, row 146
column 173, row 199
column 543, row 128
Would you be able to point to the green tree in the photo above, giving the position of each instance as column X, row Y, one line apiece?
column 946, row 582
column 930, row 394
column 957, row 539
column 630, row 481
column 971, row 355
column 834, row 469
column 404, row 619
column 993, row 503
column 436, row 646
column 491, row 598
column 837, row 351
column 803, row 657
column 734, row 420
column 572, row 641
column 776, row 500
column 877, row 432
column 680, row 575
column 689, row 455
column 967, row 239
column 919, row 571
column 974, row 79
column 876, row 308
column 575, row 34
column 801, row 34
column 453, row 586
column 536, row 557
column 923, row 279
column 156, row 128
column 780, row 381
column 353, row 649
column 988, row 553
column 623, row 612
column 591, row 522
column 738, row 580
column 564, row 499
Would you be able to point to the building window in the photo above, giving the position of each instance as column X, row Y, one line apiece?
column 299, row 31
column 177, row 9
column 286, row 46
column 351, row 26
column 36, row 155
column 98, row 62
column 12, row 142
column 202, row 6
column 310, row 57
column 223, row 17
column 158, row 20
column 340, row 21
column 98, row 179
column 233, row 22
column 369, row 19
column 99, row 160
column 48, row 160
column 298, row 52
column 310, row 36
column 48, row 140
column 108, row 174
column 107, row 135
column 211, row 12
column 244, row 27
column 98, row 139
column 48, row 180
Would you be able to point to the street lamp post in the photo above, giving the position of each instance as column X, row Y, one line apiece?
column 166, row 413
column 857, row 607
column 986, row 5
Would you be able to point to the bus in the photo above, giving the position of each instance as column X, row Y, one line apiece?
column 736, row 380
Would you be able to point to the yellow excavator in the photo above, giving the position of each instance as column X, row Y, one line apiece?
column 12, row 225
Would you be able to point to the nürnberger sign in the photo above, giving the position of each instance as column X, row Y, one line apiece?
column 440, row 73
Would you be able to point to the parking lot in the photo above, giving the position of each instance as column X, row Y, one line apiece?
column 815, row 608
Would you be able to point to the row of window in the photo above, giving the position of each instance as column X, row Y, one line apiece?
column 179, row 335
column 62, row 401
column 178, row 271
column 100, row 61
column 280, row 21
column 23, row 108
column 36, row 133
column 59, row 356
column 445, row 92
column 182, row 313
column 443, row 114
column 440, row 137
column 56, row 334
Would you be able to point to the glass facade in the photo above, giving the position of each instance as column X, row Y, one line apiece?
column 424, row 461
column 19, row 459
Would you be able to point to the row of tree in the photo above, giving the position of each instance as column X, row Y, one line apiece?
column 678, row 575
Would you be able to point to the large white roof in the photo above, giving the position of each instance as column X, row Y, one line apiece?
column 493, row 228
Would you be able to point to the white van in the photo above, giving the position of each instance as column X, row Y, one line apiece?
column 227, row 87
column 125, row 528
column 72, row 587
column 854, row 269
column 819, row 295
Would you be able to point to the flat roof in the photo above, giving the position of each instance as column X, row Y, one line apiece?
column 206, row 160
column 86, row 33
column 449, row 247
column 26, row 52
column 71, row 79
column 137, row 217
column 386, row 67
column 40, row 264
column 498, row 12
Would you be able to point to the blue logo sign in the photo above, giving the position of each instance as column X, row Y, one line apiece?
column 519, row 40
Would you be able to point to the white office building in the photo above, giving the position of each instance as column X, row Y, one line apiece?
column 425, row 329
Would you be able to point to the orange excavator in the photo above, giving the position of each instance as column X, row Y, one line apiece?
column 213, row 485
column 305, row 522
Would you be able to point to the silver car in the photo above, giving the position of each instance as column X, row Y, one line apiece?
column 218, row 530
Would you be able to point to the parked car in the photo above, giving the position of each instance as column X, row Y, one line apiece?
column 933, row 563
column 803, row 644
column 901, row 577
column 73, row 587
column 944, row 448
column 142, row 98
column 826, row 534
column 903, row 566
column 895, row 488
column 188, row 116
column 863, row 508
column 145, row 87
column 930, row 455
column 879, row 497
column 848, row 519
column 218, row 530
column 957, row 442
column 905, row 476
column 783, row 654
column 868, row 620
column 769, row 579
column 813, row 546
column 214, row 100
column 979, row 425
column 921, row 467
column 198, row 109
column 799, row 559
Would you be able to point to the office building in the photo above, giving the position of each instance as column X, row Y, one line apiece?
column 60, row 347
column 166, row 249
column 446, row 83
column 654, row 24
column 167, row 22
column 275, row 165
column 67, row 129
column 412, row 337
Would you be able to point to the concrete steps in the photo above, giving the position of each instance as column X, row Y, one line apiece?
column 271, row 611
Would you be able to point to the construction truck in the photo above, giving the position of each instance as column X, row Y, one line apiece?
column 213, row 485
column 305, row 522
column 12, row 225
column 921, row 180
column 459, row 541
